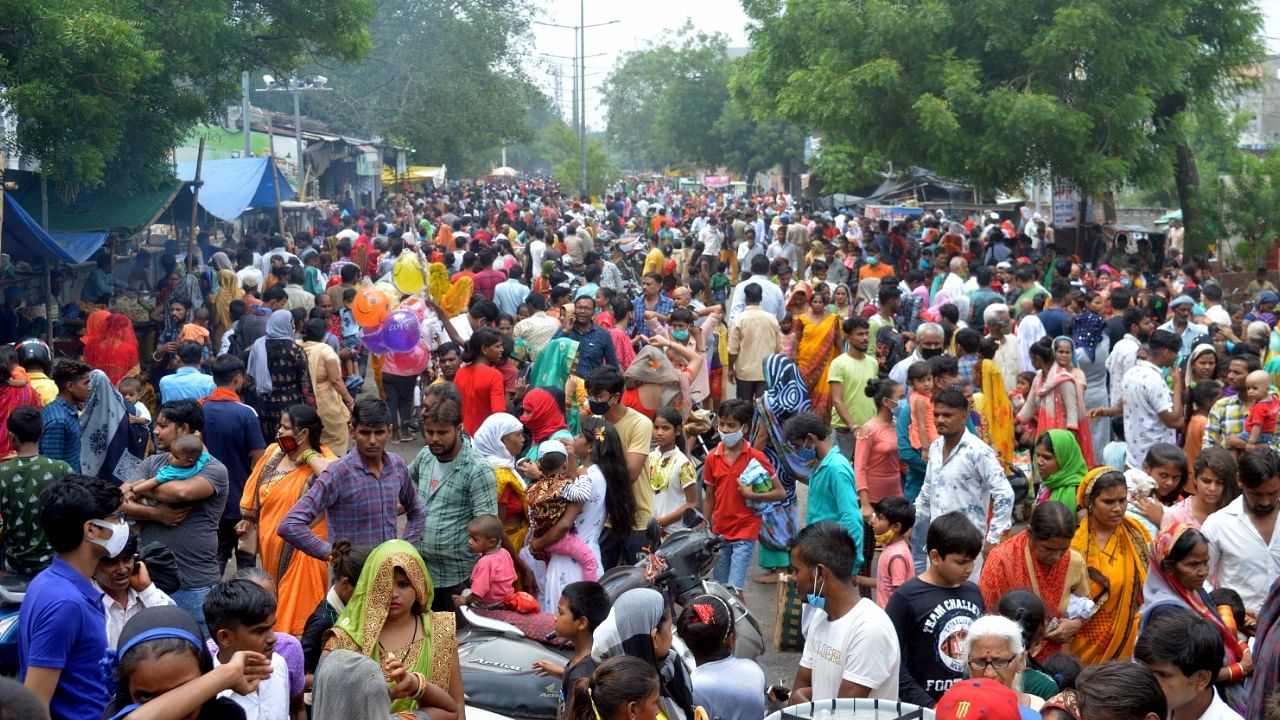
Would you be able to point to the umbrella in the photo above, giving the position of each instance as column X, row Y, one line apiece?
column 503, row 171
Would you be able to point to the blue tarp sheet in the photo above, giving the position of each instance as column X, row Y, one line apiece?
column 229, row 187
column 24, row 239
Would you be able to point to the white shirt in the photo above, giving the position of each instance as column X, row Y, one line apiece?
column 1238, row 557
column 771, row 299
column 1218, row 314
column 1030, row 330
column 271, row 700
column 117, row 615
column 250, row 272
column 536, row 250
column 861, row 647
column 348, row 234
column 1219, row 710
column 970, row 480
column 1120, row 362
column 954, row 286
column 898, row 373
column 710, row 238
column 462, row 324
column 1145, row 396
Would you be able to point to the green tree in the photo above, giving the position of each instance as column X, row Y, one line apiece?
column 105, row 89
column 442, row 78
column 563, row 144
column 998, row 91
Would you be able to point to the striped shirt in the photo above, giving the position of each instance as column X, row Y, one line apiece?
column 61, row 437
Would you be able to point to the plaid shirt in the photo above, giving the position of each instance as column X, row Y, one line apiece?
column 664, row 307
column 1226, row 420
column 467, row 490
column 61, row 437
column 359, row 506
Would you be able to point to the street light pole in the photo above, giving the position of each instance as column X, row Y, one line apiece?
column 297, row 137
column 582, row 73
column 244, row 115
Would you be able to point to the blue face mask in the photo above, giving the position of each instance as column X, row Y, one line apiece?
column 812, row 601
column 680, row 335
column 807, row 455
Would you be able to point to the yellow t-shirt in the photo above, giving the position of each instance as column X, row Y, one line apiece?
column 653, row 261
column 636, row 432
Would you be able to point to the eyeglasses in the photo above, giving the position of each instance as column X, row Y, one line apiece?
column 981, row 665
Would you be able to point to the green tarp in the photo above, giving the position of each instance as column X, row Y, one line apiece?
column 95, row 210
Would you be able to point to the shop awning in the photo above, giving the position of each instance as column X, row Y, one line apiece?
column 93, row 211
column 25, row 240
column 230, row 187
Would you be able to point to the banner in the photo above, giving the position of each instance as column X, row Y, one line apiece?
column 715, row 181
column 1066, row 206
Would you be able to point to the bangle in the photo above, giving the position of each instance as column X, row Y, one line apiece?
column 306, row 456
column 422, row 686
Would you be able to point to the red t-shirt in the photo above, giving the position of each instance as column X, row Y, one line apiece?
column 1263, row 414
column 482, row 391
column 731, row 518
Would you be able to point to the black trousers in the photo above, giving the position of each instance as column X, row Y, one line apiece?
column 616, row 551
column 227, row 539
column 750, row 389
column 399, row 398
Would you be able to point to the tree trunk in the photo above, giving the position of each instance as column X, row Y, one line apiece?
column 1187, row 178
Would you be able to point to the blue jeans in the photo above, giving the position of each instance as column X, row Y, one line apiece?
column 735, row 560
column 192, row 600
column 915, row 474
column 919, row 555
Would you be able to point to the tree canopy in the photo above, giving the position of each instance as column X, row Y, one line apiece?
column 670, row 104
column 105, row 89
column 998, row 91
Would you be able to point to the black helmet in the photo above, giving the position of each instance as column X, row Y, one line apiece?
column 33, row 349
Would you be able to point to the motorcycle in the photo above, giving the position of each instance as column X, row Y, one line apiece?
column 497, row 658
column 13, row 588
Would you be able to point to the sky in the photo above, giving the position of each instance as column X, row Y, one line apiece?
column 642, row 23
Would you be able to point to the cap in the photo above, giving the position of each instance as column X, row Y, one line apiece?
column 548, row 447
column 1182, row 300
column 1268, row 297
column 978, row 699
column 1004, row 265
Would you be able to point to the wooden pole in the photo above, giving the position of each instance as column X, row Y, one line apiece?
column 3, row 159
column 49, row 309
column 275, row 179
column 195, row 207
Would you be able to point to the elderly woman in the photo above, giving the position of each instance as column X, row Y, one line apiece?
column 995, row 651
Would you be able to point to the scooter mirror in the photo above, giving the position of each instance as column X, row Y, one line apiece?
column 691, row 518
column 653, row 534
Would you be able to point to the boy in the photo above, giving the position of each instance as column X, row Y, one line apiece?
column 240, row 615
column 932, row 612
column 61, row 631
column 725, row 505
column 850, row 646
column 350, row 339
column 1185, row 652
column 1262, row 409
column 894, row 516
column 583, row 606
column 197, row 331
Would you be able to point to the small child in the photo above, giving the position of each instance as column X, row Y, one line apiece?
column 1200, row 399
column 347, row 562
column 1159, row 483
column 787, row 336
column 493, row 578
column 894, row 516
column 731, row 688
column 1114, row 453
column 197, row 331
column 350, row 337
column 671, row 474
column 1230, row 608
column 548, row 499
column 922, row 431
column 583, row 606
column 131, row 390
column 240, row 616
column 187, row 457
column 1262, row 408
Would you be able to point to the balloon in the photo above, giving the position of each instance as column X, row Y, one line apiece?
column 416, row 305
column 401, row 331
column 370, row 307
column 409, row 364
column 374, row 340
column 407, row 273
column 393, row 294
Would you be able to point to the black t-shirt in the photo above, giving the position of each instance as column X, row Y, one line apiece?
column 932, row 623
column 583, row 669
column 1116, row 329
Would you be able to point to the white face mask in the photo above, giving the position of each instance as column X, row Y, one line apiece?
column 731, row 439
column 119, row 536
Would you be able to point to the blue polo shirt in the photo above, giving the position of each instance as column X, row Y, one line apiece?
column 595, row 348
column 60, row 627
column 187, row 383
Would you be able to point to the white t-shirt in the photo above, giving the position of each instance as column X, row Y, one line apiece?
column 861, row 647
column 271, row 701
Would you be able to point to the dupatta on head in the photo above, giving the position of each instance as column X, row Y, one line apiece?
column 360, row 624
column 997, row 411
column 1072, row 467
column 1161, row 586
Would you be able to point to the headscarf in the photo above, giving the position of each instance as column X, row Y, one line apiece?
column 1197, row 351
column 350, row 686
column 1054, row 347
column 786, row 394
column 543, row 413
column 800, row 288
column 628, row 630
column 313, row 280
column 488, row 439
column 1087, row 330
column 1161, row 589
column 219, row 262
column 94, row 325
column 169, row 622
column 360, row 624
column 113, row 347
column 229, row 290
column 554, row 364
column 279, row 327
column 104, row 432
column 1063, row 483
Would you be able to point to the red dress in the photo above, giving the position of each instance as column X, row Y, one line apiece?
column 482, row 393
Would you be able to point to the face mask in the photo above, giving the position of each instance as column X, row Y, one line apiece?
column 807, row 455
column 928, row 353
column 680, row 335
column 598, row 407
column 731, row 439
column 873, row 260
column 813, row 601
column 1124, row 281
column 119, row 536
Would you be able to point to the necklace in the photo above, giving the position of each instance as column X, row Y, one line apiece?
column 391, row 656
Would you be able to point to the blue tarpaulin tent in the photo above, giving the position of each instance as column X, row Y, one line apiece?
column 24, row 239
column 229, row 187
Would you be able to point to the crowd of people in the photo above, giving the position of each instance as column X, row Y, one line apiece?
column 860, row 407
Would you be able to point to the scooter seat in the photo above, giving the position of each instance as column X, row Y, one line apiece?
column 536, row 626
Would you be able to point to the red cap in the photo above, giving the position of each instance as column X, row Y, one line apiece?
column 978, row 700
